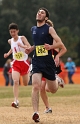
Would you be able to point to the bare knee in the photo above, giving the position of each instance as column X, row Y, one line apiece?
column 16, row 82
column 47, row 89
column 53, row 90
column 36, row 87
column 25, row 83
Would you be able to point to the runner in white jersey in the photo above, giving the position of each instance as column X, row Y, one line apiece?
column 18, row 52
column 20, row 64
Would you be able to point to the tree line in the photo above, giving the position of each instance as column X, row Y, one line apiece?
column 64, row 14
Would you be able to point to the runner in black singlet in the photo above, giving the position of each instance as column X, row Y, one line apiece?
column 42, row 60
column 43, row 63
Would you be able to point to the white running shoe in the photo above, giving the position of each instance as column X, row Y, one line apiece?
column 15, row 104
column 60, row 81
column 48, row 110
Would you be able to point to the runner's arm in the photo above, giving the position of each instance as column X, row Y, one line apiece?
column 9, row 52
column 29, row 50
column 25, row 42
column 59, row 43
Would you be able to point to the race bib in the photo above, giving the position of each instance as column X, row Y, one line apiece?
column 19, row 55
column 41, row 51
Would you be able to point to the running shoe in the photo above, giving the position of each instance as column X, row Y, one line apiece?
column 60, row 81
column 15, row 104
column 49, row 110
column 35, row 117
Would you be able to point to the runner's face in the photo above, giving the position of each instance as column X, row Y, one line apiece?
column 41, row 15
column 13, row 32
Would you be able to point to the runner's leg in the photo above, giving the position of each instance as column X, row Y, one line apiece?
column 15, row 77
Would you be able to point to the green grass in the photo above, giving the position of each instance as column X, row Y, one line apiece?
column 68, row 91
column 7, row 92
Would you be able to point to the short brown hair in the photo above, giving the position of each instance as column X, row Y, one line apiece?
column 13, row 26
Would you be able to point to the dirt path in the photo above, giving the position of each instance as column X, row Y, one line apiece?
column 63, row 114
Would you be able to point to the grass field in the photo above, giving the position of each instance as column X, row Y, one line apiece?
column 65, row 105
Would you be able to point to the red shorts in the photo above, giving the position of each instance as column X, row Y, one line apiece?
column 43, row 79
column 10, row 70
column 20, row 66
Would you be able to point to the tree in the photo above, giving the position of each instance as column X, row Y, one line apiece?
column 71, row 41
column 64, row 14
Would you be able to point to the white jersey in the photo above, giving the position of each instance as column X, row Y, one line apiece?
column 18, row 52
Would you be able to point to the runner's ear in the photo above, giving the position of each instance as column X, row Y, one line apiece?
column 46, row 18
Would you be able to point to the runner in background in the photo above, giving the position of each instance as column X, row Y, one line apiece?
column 63, row 74
column 6, row 73
column 70, row 66
column 20, row 65
column 43, row 85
